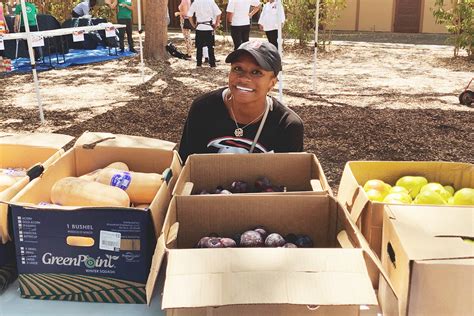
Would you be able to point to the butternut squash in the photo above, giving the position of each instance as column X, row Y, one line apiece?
column 72, row 191
column 141, row 187
column 93, row 174
column 6, row 181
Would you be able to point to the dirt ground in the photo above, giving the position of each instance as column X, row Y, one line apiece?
column 376, row 98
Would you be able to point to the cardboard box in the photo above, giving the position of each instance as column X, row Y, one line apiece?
column 113, row 263
column 368, row 214
column 260, row 281
column 25, row 151
column 301, row 173
column 428, row 263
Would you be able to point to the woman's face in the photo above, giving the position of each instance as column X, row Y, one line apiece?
column 248, row 82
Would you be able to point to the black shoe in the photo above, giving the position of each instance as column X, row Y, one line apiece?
column 206, row 60
column 132, row 50
column 213, row 66
column 198, row 65
column 122, row 50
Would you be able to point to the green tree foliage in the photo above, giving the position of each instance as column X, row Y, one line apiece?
column 459, row 20
column 300, row 23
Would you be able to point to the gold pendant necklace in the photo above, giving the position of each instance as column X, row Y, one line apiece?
column 239, row 131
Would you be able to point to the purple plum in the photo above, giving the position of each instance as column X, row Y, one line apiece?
column 214, row 242
column 202, row 242
column 251, row 238
column 291, row 238
column 261, row 230
column 261, row 184
column 289, row 245
column 228, row 242
column 274, row 240
column 236, row 238
column 239, row 187
column 304, row 241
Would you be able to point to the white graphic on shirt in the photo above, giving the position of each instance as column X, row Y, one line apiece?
column 235, row 145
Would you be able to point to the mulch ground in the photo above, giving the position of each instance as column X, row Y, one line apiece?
column 335, row 133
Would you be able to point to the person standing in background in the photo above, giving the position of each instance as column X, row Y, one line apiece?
column 186, row 25
column 3, row 22
column 208, row 18
column 239, row 15
column 19, row 24
column 83, row 8
column 124, row 16
column 268, row 21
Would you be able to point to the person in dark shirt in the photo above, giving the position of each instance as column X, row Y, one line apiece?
column 242, row 118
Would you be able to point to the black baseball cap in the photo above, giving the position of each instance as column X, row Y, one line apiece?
column 265, row 53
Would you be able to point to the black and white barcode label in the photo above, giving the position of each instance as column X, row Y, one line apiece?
column 109, row 240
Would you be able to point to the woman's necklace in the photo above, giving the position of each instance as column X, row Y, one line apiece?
column 239, row 131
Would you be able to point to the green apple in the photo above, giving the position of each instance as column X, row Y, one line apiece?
column 438, row 188
column 398, row 198
column 398, row 189
column 429, row 197
column 450, row 189
column 464, row 196
column 378, row 185
column 375, row 195
column 412, row 183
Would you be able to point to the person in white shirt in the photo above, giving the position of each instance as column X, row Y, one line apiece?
column 239, row 15
column 208, row 18
column 268, row 21
column 83, row 8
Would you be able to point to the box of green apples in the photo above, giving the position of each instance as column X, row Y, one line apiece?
column 366, row 186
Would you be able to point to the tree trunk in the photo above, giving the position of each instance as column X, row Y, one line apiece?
column 156, row 27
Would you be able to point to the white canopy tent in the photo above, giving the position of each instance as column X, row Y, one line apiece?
column 316, row 31
column 33, row 62
column 280, row 46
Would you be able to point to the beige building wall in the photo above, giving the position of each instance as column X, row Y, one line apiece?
column 428, row 24
column 347, row 20
column 376, row 15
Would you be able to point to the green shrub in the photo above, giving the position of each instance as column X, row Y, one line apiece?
column 459, row 21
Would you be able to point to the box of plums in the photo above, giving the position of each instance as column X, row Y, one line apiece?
column 367, row 186
column 274, row 174
column 261, row 255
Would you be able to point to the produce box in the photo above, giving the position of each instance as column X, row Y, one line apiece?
column 429, row 264
column 93, row 254
column 325, row 280
column 24, row 151
column 299, row 173
column 368, row 214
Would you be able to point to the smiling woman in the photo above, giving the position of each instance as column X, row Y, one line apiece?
column 242, row 118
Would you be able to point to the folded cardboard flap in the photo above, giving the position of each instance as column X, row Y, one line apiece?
column 95, row 139
column 266, row 276
column 25, row 150
column 421, row 232
column 46, row 140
